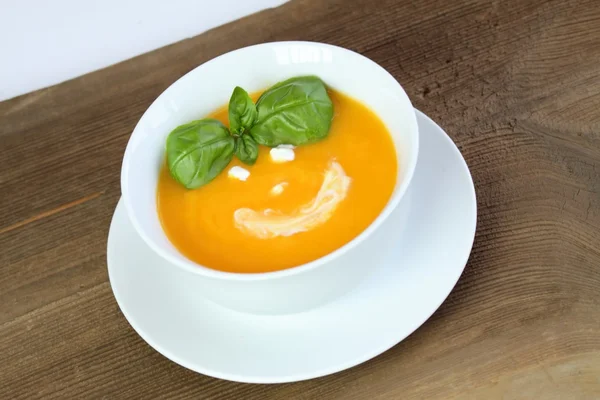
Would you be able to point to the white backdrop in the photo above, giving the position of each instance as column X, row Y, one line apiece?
column 44, row 42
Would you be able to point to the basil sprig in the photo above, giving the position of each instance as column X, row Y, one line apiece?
column 246, row 149
column 242, row 112
column 297, row 111
column 198, row 151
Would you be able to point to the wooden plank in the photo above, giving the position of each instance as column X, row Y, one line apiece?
column 517, row 86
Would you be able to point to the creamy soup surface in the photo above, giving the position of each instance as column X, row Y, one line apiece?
column 285, row 213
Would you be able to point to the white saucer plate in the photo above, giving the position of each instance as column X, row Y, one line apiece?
column 418, row 255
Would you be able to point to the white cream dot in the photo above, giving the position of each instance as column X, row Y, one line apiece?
column 278, row 189
column 282, row 153
column 238, row 173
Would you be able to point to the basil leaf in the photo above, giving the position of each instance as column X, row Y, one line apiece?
column 246, row 149
column 198, row 151
column 242, row 111
column 296, row 111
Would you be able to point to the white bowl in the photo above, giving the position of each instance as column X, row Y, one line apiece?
column 209, row 86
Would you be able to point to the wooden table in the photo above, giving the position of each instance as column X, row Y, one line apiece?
column 517, row 86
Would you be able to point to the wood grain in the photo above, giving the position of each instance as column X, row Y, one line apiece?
column 517, row 86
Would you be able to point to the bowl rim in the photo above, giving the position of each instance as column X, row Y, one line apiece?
column 199, row 269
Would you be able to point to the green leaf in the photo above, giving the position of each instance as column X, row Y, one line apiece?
column 296, row 111
column 246, row 149
column 242, row 111
column 198, row 151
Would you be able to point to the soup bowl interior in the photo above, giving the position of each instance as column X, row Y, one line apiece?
column 255, row 68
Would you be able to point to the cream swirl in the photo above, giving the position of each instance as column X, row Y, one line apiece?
column 269, row 223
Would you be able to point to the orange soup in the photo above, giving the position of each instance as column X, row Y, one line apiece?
column 223, row 225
